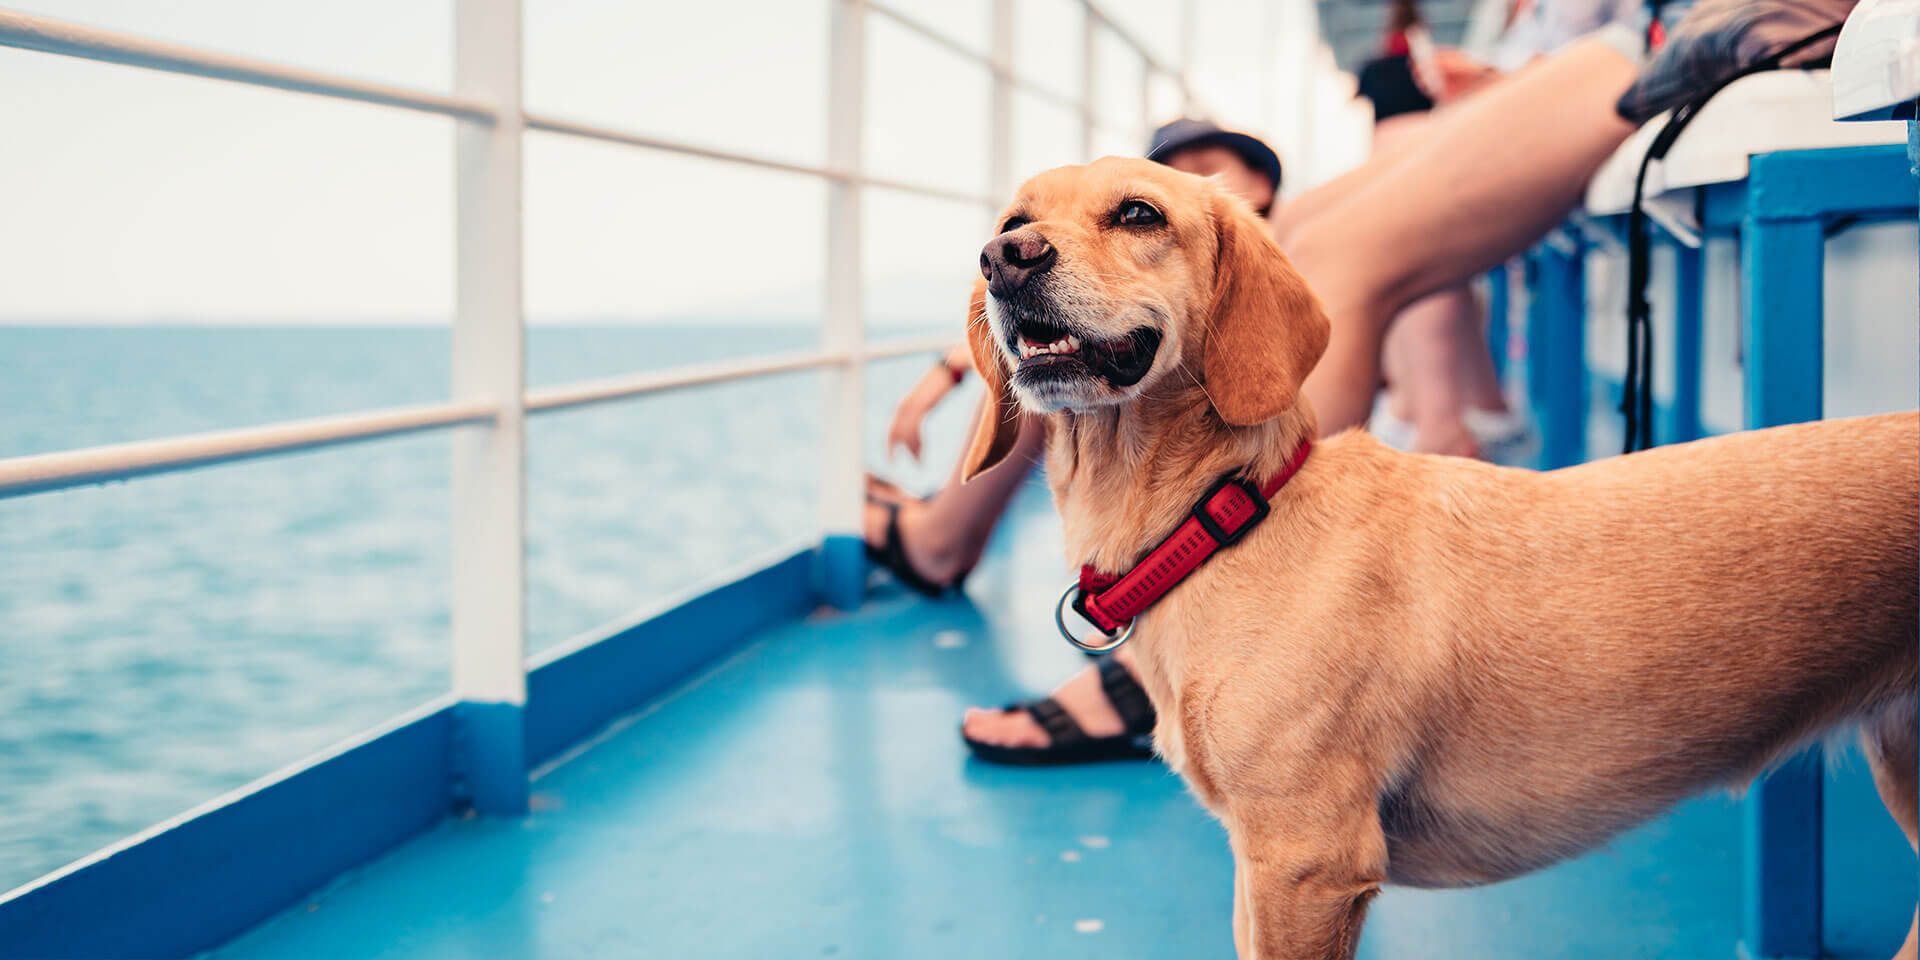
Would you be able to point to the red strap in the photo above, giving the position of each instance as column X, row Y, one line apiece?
column 1231, row 507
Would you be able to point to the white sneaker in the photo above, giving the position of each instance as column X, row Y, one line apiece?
column 1504, row 437
column 1387, row 428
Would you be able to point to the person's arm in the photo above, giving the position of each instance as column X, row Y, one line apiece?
column 925, row 395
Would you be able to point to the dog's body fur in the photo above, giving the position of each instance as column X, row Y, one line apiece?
column 1432, row 671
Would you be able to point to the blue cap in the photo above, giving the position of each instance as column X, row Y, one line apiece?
column 1187, row 133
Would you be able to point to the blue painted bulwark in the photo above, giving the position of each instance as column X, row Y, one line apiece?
column 490, row 758
column 572, row 693
column 843, row 572
column 1556, row 353
column 189, row 885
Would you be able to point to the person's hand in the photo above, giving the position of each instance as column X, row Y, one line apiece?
column 1451, row 74
column 914, row 407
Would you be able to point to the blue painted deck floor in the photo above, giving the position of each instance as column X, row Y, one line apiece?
column 810, row 798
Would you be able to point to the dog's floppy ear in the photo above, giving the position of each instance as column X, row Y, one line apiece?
column 998, row 425
column 1267, row 329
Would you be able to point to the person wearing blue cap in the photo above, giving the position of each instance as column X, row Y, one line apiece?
column 1243, row 163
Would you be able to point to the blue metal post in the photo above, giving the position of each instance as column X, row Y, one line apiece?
column 1781, row 262
column 1499, row 291
column 1683, row 416
column 1556, row 352
column 1499, row 318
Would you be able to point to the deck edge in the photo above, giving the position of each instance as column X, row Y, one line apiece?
column 195, row 881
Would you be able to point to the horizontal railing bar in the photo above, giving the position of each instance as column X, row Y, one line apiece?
column 631, row 385
column 574, row 128
column 1146, row 56
column 42, row 472
column 1020, row 83
column 622, row 387
column 588, row 131
column 926, row 32
column 37, row 473
column 938, row 193
column 1050, row 95
column 48, row 35
column 901, row 346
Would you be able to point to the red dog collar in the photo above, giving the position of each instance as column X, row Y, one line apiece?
column 1222, row 516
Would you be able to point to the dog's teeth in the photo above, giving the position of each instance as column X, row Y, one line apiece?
column 1073, row 343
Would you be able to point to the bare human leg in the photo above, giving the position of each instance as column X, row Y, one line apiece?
column 943, row 536
column 1493, row 175
column 1439, row 367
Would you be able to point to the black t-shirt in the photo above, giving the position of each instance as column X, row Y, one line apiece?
column 1388, row 82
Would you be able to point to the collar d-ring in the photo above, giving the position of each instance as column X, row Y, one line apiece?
column 1060, row 620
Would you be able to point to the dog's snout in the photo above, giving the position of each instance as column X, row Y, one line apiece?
column 1012, row 259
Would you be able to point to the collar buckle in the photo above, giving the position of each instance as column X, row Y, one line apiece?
column 1076, row 598
column 1213, row 528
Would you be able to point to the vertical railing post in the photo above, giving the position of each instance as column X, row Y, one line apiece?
column 1189, row 40
column 489, row 465
column 1089, row 78
column 1146, row 96
column 1000, row 132
column 843, row 564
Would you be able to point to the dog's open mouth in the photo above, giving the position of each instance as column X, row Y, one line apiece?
column 1049, row 351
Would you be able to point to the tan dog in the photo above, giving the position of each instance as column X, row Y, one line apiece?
column 1420, row 669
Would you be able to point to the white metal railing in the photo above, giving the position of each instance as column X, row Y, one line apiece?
column 490, row 401
column 52, row 471
column 42, row 472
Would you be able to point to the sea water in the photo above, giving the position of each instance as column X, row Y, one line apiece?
column 172, row 637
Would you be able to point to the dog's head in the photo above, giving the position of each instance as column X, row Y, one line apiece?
column 1106, row 280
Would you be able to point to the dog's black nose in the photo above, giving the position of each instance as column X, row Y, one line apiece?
column 1012, row 259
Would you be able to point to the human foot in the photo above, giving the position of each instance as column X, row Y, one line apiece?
column 1101, row 707
column 883, row 491
column 900, row 538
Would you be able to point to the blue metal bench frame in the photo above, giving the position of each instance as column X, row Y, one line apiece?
column 1781, row 214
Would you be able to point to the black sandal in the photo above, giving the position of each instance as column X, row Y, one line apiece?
column 1068, row 744
column 886, row 491
column 893, row 556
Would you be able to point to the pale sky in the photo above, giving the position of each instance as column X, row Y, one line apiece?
column 137, row 195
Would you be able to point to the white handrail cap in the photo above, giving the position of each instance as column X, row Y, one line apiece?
column 1876, row 61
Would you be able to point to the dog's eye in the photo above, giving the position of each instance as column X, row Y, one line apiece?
column 1137, row 213
column 1014, row 223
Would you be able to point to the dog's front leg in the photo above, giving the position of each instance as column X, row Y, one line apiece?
column 1302, row 880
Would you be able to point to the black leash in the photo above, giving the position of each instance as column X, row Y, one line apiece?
column 1636, row 396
